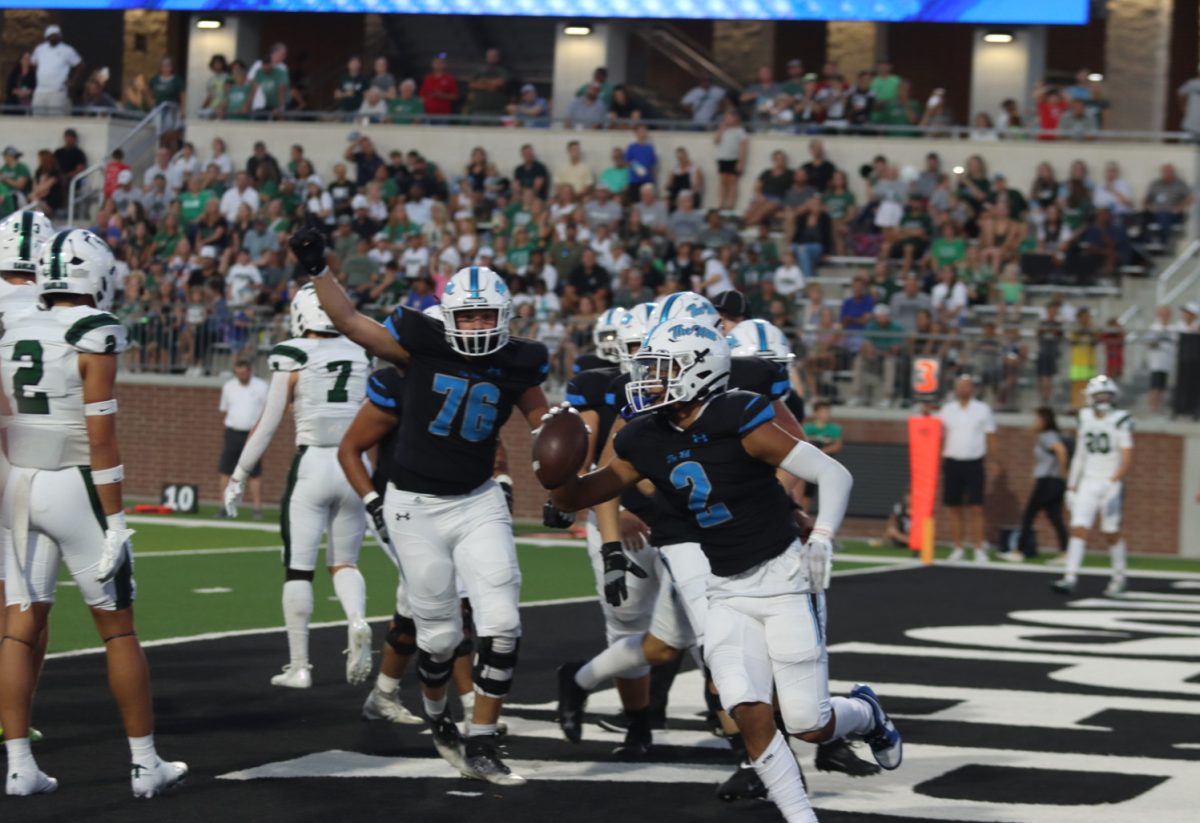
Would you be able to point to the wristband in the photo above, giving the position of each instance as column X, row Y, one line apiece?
column 370, row 497
column 100, row 408
column 115, row 521
column 106, row 477
column 503, row 478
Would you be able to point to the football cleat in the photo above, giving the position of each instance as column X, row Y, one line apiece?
column 23, row 784
column 839, row 756
column 151, row 781
column 483, row 763
column 1059, row 559
column 294, row 677
column 572, row 700
column 448, row 741
column 382, row 706
column 1116, row 586
column 743, row 784
column 617, row 723
column 1063, row 586
column 358, row 655
column 981, row 555
column 956, row 555
column 1013, row 556
column 636, row 745
column 885, row 742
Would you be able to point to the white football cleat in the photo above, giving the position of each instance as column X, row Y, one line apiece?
column 1013, row 556
column 981, row 555
column 382, row 706
column 23, row 784
column 1059, row 559
column 956, row 555
column 1116, row 586
column 294, row 677
column 358, row 653
column 151, row 781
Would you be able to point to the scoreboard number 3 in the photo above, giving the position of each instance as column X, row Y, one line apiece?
column 180, row 497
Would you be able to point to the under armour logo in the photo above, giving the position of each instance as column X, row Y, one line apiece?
column 403, row 516
column 699, row 438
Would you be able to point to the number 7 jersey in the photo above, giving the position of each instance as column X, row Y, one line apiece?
column 39, row 366
column 330, row 388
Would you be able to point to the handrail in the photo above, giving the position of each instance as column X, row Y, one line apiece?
column 156, row 116
column 670, row 37
column 1167, row 293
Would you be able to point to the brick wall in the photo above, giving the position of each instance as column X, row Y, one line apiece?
column 171, row 432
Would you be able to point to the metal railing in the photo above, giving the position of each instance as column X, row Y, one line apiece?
column 1167, row 289
column 138, row 145
column 685, row 53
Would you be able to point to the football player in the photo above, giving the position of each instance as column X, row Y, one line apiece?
column 604, row 339
column 712, row 456
column 58, row 363
column 760, row 338
column 1096, row 482
column 444, row 512
column 323, row 377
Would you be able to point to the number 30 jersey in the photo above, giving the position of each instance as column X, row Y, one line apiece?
column 330, row 388
column 1101, row 439
column 39, row 366
column 455, row 406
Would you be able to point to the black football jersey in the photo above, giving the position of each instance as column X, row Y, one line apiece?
column 455, row 406
column 795, row 404
column 588, row 391
column 590, row 361
column 385, row 389
column 710, row 491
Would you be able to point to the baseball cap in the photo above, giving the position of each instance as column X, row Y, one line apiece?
column 883, row 309
column 209, row 252
column 124, row 176
column 528, row 87
column 13, row 150
column 732, row 303
column 486, row 251
column 1192, row 307
column 52, row 29
column 359, row 202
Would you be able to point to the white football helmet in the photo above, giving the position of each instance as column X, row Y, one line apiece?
column 75, row 261
column 633, row 328
column 435, row 311
column 604, row 335
column 687, row 306
column 307, row 314
column 22, row 236
column 679, row 362
column 472, row 289
column 1102, row 392
column 759, row 338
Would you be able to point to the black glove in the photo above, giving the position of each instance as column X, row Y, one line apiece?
column 374, row 505
column 616, row 563
column 309, row 247
column 552, row 518
column 505, row 483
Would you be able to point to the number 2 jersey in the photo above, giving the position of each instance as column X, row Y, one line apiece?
column 1099, row 441
column 330, row 387
column 709, row 489
column 39, row 366
column 455, row 406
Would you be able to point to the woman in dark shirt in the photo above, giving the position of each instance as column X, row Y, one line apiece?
column 21, row 81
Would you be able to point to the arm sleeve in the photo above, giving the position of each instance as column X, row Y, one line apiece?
column 264, row 430
column 806, row 462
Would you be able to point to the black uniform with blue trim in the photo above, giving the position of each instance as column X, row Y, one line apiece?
column 590, row 362
column 455, row 406
column 385, row 389
column 710, row 491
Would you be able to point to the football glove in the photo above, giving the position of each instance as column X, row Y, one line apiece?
column 116, row 548
column 616, row 564
column 374, row 504
column 234, row 491
column 552, row 518
column 506, row 486
column 562, row 408
column 309, row 247
column 817, row 559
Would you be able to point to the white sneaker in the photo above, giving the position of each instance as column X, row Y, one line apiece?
column 294, row 677
column 23, row 784
column 382, row 706
column 956, row 555
column 981, row 556
column 358, row 653
column 1116, row 586
column 1059, row 559
column 151, row 781
column 1013, row 556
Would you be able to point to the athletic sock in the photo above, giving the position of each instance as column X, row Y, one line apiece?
column 851, row 717
column 434, row 708
column 20, row 756
column 614, row 661
column 297, row 611
column 639, row 719
column 1075, row 550
column 482, row 730
column 779, row 772
column 1117, row 552
column 387, row 685
column 142, row 751
column 351, row 590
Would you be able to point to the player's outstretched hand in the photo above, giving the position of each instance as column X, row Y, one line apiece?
column 817, row 557
column 234, row 490
column 616, row 564
column 309, row 247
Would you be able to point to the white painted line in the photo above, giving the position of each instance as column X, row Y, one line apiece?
column 199, row 523
column 213, row 590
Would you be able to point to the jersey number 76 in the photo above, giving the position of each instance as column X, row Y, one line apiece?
column 480, row 416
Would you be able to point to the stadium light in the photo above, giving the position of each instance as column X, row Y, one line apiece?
column 1096, row 77
column 577, row 29
column 998, row 37
column 210, row 23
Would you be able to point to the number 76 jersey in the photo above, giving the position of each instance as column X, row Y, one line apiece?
column 330, row 388
column 39, row 366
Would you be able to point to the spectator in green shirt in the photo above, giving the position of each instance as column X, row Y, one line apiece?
column 167, row 86
column 407, row 106
column 271, row 78
column 822, row 432
column 488, row 93
column 348, row 94
column 616, row 177
column 240, row 96
column 193, row 201
column 600, row 78
column 14, row 173
column 874, row 372
column 360, row 267
column 885, row 86
column 949, row 248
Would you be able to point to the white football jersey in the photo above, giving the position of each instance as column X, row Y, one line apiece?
column 16, row 297
column 1101, row 439
column 39, row 366
column 331, row 387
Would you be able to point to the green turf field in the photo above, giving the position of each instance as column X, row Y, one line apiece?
column 198, row 575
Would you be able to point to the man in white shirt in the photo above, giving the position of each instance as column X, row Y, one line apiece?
column 242, row 401
column 1114, row 192
column 162, row 165
column 704, row 101
column 56, row 64
column 968, row 432
column 243, row 282
column 233, row 199
column 789, row 278
column 415, row 257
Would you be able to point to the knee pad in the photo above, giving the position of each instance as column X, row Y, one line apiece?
column 402, row 635
column 495, row 664
column 464, row 648
column 299, row 574
column 800, row 716
column 433, row 673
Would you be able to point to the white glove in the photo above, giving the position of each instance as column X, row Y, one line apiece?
column 116, row 548
column 817, row 559
column 234, row 491
column 562, row 408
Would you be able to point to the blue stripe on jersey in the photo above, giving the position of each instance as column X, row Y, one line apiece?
column 379, row 399
column 764, row 416
column 762, row 336
column 575, row 368
column 779, row 388
column 610, row 398
column 544, row 368
column 576, row 399
column 390, row 325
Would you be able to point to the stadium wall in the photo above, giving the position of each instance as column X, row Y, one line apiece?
column 170, row 431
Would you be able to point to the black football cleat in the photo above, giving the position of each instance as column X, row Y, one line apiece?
column 839, row 756
column 572, row 700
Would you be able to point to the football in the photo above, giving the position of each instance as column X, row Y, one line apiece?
column 559, row 448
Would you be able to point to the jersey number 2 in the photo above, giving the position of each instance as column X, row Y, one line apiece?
column 480, row 416
column 30, row 375
column 338, row 393
column 692, row 474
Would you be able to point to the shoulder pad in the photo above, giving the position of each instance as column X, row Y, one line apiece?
column 385, row 388
column 534, row 356
column 1125, row 421
column 587, row 390
column 622, row 441
column 758, row 375
column 737, row 412
column 291, row 355
column 417, row 332
column 614, row 395
column 94, row 332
